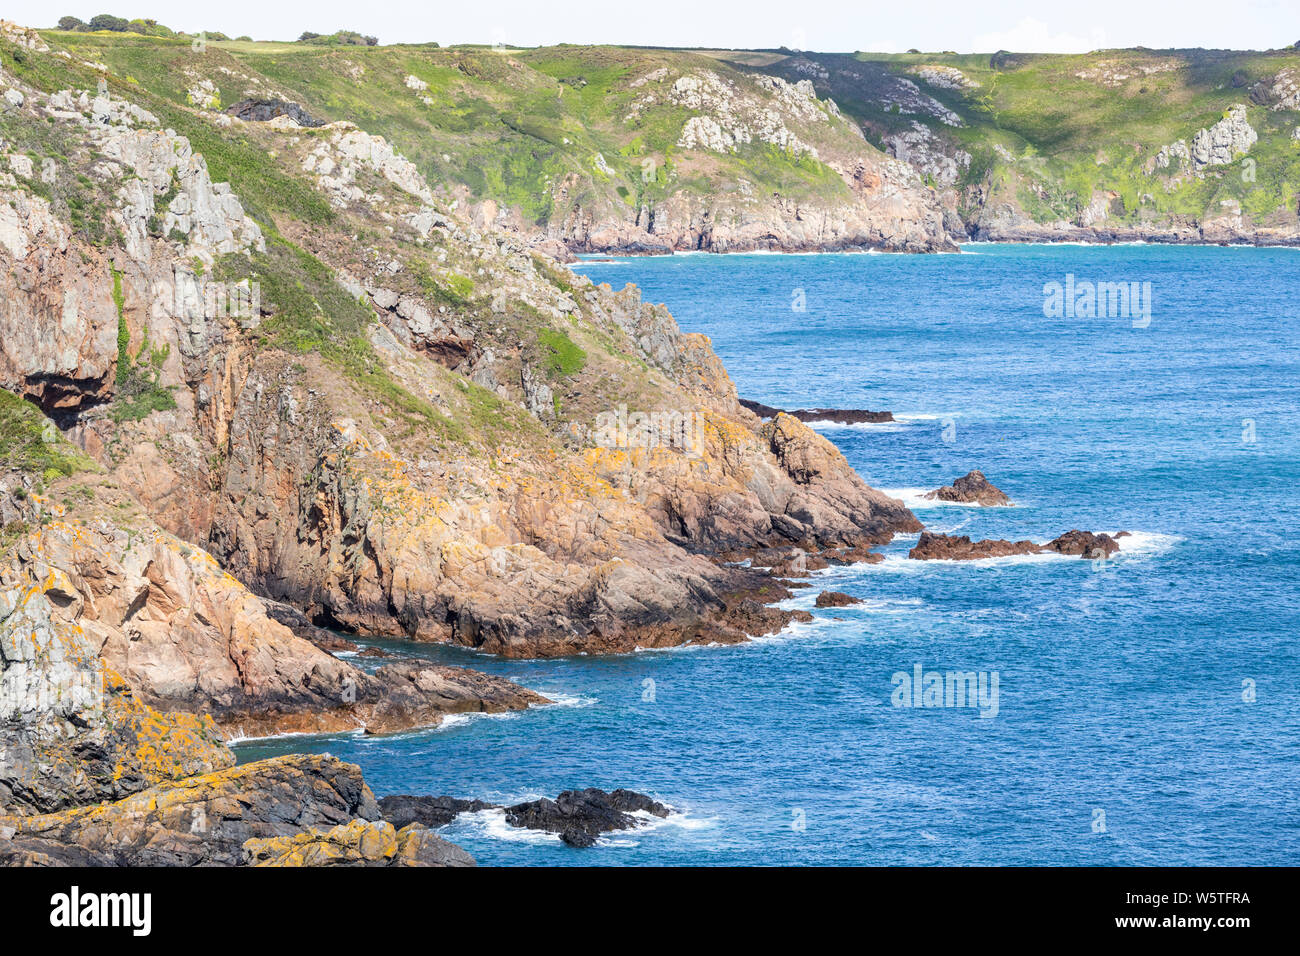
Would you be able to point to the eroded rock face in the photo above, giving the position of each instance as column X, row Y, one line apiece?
column 208, row 819
column 71, row 730
column 1223, row 142
column 971, row 488
column 263, row 111
column 943, row 547
column 125, row 654
column 58, row 325
column 359, row 843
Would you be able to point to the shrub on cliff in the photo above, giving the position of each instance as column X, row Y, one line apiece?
column 106, row 21
column 30, row 443
column 339, row 38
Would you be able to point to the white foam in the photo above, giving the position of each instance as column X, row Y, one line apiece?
column 565, row 700
column 807, row 600
column 915, row 499
column 900, row 563
column 826, row 424
column 492, row 824
column 1145, row 544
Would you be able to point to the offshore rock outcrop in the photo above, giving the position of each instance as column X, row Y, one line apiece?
column 943, row 547
column 579, row 817
column 838, row 416
column 971, row 488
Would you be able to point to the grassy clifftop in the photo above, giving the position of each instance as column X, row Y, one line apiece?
column 1047, row 136
column 529, row 129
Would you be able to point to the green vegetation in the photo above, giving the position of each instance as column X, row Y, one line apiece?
column 138, row 393
column 311, row 312
column 509, row 125
column 338, row 38
column 30, row 443
column 1048, row 133
column 564, row 356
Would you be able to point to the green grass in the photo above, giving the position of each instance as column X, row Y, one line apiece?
column 509, row 127
column 1074, row 132
column 30, row 443
column 563, row 356
column 138, row 393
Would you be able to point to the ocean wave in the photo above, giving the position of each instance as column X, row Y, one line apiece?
column 1136, row 545
column 915, row 498
column 900, row 563
column 1145, row 543
column 492, row 823
column 560, row 699
column 263, row 738
column 826, row 424
column 806, row 601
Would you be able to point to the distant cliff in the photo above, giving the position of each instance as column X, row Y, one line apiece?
column 1153, row 145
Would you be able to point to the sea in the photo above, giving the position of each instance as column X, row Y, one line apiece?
column 1143, row 710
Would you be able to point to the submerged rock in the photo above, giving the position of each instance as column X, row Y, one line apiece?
column 972, row 488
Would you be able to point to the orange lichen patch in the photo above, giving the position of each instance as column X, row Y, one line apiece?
column 358, row 841
column 183, row 792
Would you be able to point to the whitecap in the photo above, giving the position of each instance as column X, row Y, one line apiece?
column 242, row 738
column 915, row 499
column 1145, row 543
column 826, row 424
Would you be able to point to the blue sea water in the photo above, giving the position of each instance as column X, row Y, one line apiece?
column 1148, row 708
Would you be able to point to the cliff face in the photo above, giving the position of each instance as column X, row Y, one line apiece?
column 593, row 149
column 456, row 486
column 865, row 199
column 286, row 811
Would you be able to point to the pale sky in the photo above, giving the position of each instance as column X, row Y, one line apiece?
column 824, row 25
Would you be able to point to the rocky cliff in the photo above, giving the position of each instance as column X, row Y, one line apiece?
column 246, row 360
column 589, row 149
column 1177, row 146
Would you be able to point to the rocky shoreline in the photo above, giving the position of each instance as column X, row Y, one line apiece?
column 385, row 421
